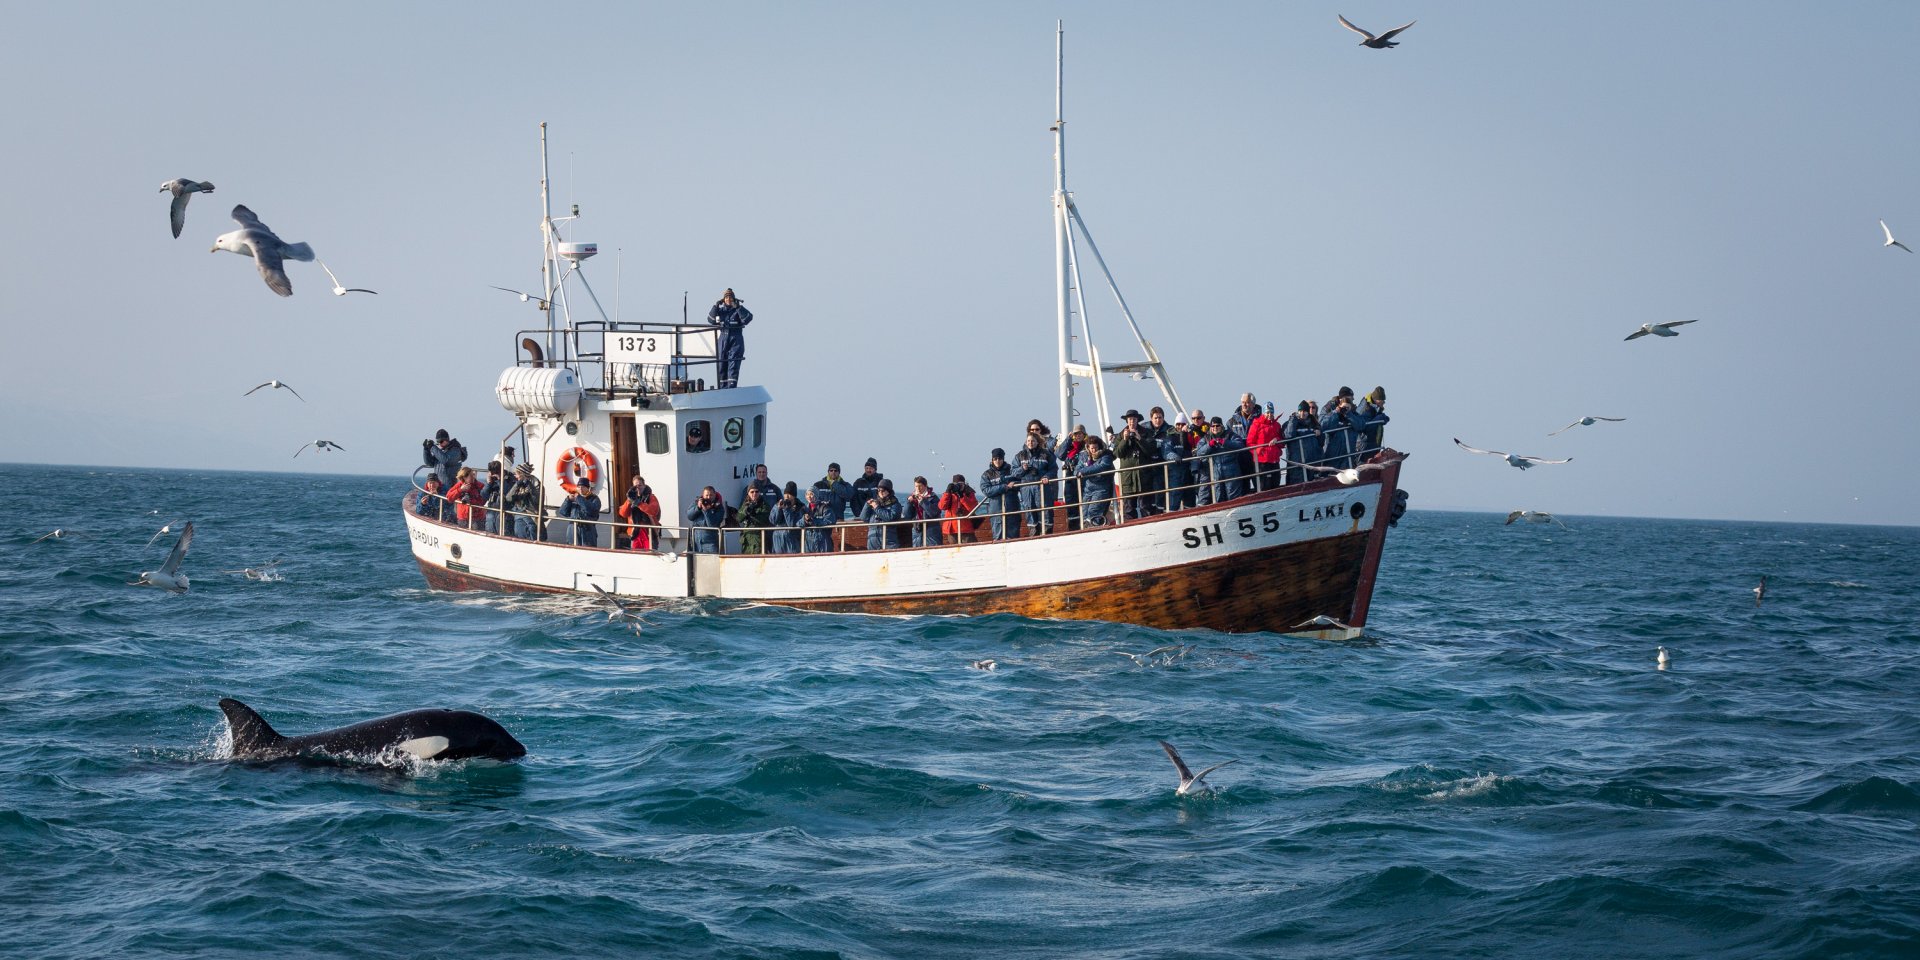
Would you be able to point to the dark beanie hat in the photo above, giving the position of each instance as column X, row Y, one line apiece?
column 833, row 466
column 886, row 484
column 871, row 462
column 1345, row 392
column 1304, row 405
column 999, row 453
column 440, row 434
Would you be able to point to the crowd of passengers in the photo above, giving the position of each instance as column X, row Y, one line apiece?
column 1145, row 467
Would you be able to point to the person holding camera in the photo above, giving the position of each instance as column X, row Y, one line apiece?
column 958, row 504
column 1223, row 452
column 523, row 504
column 1095, row 471
column 924, row 505
column 1337, row 428
column 879, row 514
column 998, row 497
column 732, row 317
column 1372, row 417
column 445, row 455
column 1263, row 438
column 823, row 511
column 1033, row 472
column 1067, row 455
column 786, row 516
column 755, row 514
column 583, row 507
column 707, row 515
column 1132, row 451
column 866, row 485
column 1302, row 433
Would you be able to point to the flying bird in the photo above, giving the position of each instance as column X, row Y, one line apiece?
column 1891, row 242
column 1534, row 516
column 1760, row 592
column 622, row 609
column 1589, row 421
column 524, row 297
column 183, row 190
column 1189, row 782
column 268, row 251
column 163, row 531
column 1658, row 329
column 317, row 445
column 1350, row 475
column 1514, row 459
column 1381, row 42
column 57, row 534
column 277, row 385
column 169, row 577
column 340, row 291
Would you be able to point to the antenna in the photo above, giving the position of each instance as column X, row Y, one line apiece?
column 619, row 271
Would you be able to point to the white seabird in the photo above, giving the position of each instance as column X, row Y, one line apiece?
column 182, row 190
column 169, row 577
column 524, row 297
column 277, row 385
column 163, row 531
column 319, row 445
column 1659, row 329
column 1587, row 421
column 622, row 609
column 1191, row 783
column 1517, row 460
column 1662, row 659
column 263, row 572
column 268, row 251
column 1760, row 592
column 1350, row 475
column 987, row 664
column 1891, row 242
column 340, row 291
column 57, row 534
column 1384, row 41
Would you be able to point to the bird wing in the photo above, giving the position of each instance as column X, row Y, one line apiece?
column 172, row 566
column 267, row 258
column 43, row 537
column 303, row 449
column 1203, row 773
column 1186, row 776
column 1888, row 231
column 1677, row 323
column 1612, row 419
column 249, row 393
column 1570, row 426
column 1349, row 25
column 1903, row 246
column 156, row 534
column 1472, row 449
column 294, row 392
column 247, row 218
column 1389, row 34
column 178, row 211
column 1645, row 329
column 1539, row 460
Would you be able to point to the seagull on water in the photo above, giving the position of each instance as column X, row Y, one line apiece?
column 318, row 445
column 1662, row 659
column 1588, row 421
column 1658, row 329
column 277, row 385
column 1534, row 516
column 1517, row 460
column 1190, row 783
column 169, row 577
column 340, row 291
column 263, row 572
column 1321, row 622
column 1891, row 242
column 1382, row 42
column 268, row 251
column 182, row 190
column 987, row 664
column 1760, row 592
column 163, row 531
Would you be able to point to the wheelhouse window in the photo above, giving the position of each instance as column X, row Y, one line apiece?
column 656, row 437
column 699, row 436
column 759, row 430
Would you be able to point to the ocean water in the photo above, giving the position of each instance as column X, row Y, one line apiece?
column 1497, row 769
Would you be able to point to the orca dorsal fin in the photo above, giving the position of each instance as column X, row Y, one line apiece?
column 250, row 732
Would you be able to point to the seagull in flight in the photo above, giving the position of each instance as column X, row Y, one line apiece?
column 57, row 534
column 1891, row 242
column 163, row 531
column 340, row 291
column 318, row 445
column 183, row 190
column 524, row 297
column 1349, row 476
column 1760, row 592
column 622, row 609
column 1534, row 516
column 268, row 251
column 1189, row 782
column 277, row 385
column 1658, row 329
column 169, row 577
column 1588, row 421
column 1514, row 459
column 1381, row 42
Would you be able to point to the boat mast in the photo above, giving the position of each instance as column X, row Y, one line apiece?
column 1061, row 227
column 546, row 243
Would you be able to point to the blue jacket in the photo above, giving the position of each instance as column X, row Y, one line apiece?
column 816, row 518
column 1096, row 477
column 1223, row 453
column 839, row 495
column 582, row 508
column 706, row 523
column 769, row 491
column 886, row 511
column 1371, row 419
column 446, row 462
column 434, row 506
column 1303, row 437
column 995, row 494
column 1173, row 453
column 1030, row 469
column 731, row 320
column 1336, row 444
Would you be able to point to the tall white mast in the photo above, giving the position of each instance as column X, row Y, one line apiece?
column 1060, row 226
column 546, row 244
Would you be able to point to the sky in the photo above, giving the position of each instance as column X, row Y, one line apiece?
column 1473, row 220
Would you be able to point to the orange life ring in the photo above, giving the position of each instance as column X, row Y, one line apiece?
column 574, row 466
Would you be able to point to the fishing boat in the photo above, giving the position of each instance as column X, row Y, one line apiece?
column 598, row 401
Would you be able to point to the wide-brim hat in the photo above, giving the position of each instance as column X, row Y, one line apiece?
column 1131, row 415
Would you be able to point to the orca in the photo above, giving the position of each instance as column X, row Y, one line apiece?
column 423, row 734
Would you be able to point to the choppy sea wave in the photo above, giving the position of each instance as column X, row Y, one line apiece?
column 1496, row 769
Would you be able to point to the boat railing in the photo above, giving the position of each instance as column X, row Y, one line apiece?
column 1061, row 509
column 634, row 358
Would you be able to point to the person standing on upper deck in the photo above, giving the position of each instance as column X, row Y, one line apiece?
column 1263, row 439
column 1132, row 450
column 707, row 516
column 445, row 455
column 1068, row 456
column 1337, row 428
column 732, row 317
column 998, row 498
column 1095, row 471
column 523, row 503
column 582, row 506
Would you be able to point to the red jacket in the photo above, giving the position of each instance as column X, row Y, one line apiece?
column 1259, row 432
